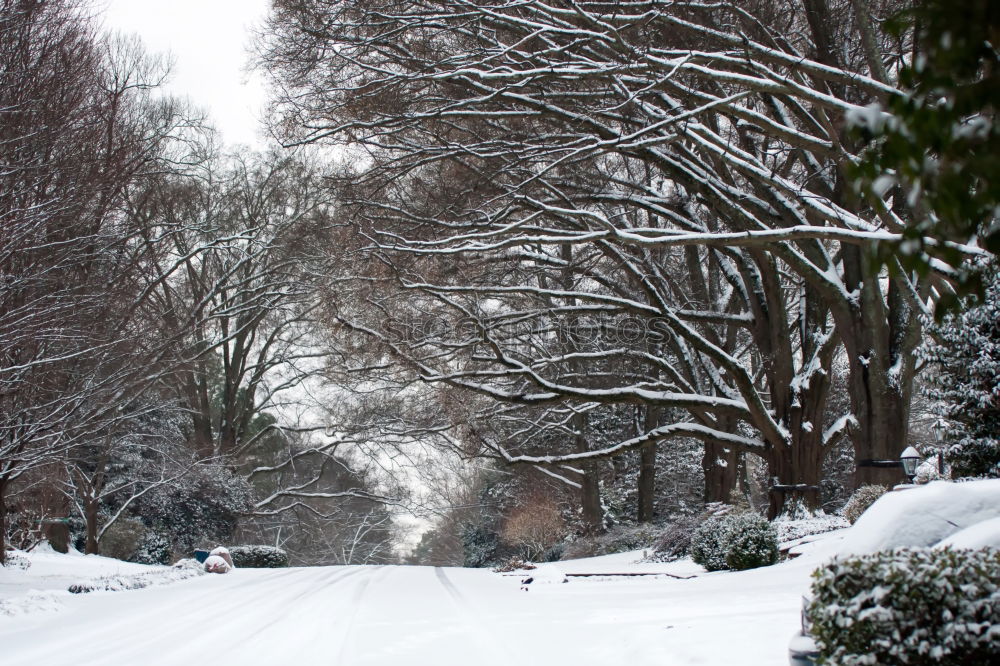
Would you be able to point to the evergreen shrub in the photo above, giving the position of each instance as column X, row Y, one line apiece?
column 737, row 541
column 258, row 557
column 975, row 457
column 707, row 545
column 862, row 498
column 480, row 546
column 908, row 606
column 750, row 541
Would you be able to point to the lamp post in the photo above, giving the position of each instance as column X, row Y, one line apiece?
column 910, row 458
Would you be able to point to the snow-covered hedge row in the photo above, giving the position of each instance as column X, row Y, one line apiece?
column 908, row 606
column 183, row 570
column 736, row 541
column 258, row 557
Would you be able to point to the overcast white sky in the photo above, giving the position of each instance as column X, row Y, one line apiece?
column 208, row 40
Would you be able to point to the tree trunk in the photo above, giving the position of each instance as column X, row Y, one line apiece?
column 590, row 488
column 647, row 469
column 720, row 465
column 879, row 333
column 90, row 508
column 590, row 498
column 3, row 521
column 647, row 482
column 797, row 470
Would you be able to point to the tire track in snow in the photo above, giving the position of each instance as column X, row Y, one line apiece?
column 497, row 650
column 347, row 639
column 315, row 588
column 240, row 595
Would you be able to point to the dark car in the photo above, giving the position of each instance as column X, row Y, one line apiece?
column 802, row 648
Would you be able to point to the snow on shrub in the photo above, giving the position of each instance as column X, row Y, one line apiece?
column 259, row 557
column 750, row 541
column 15, row 560
column 153, row 549
column 736, row 541
column 707, row 547
column 908, row 606
column 862, row 498
column 818, row 523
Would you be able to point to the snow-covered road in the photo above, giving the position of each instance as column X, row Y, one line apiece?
column 416, row 616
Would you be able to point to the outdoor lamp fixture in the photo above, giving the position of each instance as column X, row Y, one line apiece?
column 910, row 458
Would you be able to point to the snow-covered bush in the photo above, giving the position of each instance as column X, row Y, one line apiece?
column 259, row 557
column 14, row 560
column 480, row 546
column 908, row 606
column 707, row 544
column 742, row 540
column 189, row 564
column 159, row 576
column 862, row 498
column 966, row 353
column 817, row 523
column 749, row 541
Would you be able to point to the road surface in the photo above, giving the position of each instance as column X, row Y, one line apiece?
column 400, row 616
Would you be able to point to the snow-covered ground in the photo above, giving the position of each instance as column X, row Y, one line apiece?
column 436, row 616
column 413, row 615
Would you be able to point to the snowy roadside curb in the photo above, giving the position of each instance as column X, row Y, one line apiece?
column 181, row 571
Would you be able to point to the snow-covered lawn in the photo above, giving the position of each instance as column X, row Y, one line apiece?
column 438, row 616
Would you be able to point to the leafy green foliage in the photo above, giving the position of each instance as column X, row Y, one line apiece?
column 941, row 141
column 908, row 606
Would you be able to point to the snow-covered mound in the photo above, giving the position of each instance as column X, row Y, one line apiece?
column 546, row 574
column 217, row 564
column 922, row 516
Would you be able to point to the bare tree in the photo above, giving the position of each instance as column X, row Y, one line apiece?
column 78, row 123
column 498, row 133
